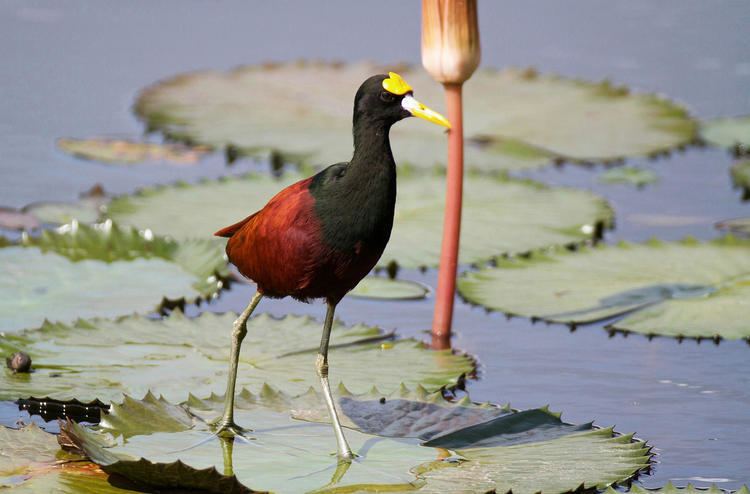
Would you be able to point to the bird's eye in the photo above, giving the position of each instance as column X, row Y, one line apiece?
column 387, row 97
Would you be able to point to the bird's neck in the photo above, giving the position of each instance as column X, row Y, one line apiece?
column 372, row 147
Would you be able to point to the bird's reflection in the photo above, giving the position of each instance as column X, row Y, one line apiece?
column 227, row 450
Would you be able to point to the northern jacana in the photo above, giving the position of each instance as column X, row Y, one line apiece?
column 320, row 236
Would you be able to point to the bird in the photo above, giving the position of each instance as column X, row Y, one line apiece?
column 317, row 238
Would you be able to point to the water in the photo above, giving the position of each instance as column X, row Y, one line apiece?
column 73, row 71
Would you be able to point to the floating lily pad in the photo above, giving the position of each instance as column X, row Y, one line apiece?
column 499, row 215
column 379, row 287
column 86, row 210
column 671, row 489
column 686, row 289
column 513, row 450
column 120, row 151
column 730, row 133
column 303, row 112
column 630, row 175
column 741, row 176
column 84, row 271
column 738, row 226
column 530, row 464
column 31, row 461
column 102, row 359
column 13, row 219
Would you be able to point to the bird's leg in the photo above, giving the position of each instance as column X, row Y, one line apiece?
column 321, row 366
column 225, row 427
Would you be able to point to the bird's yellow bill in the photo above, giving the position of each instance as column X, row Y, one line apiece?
column 410, row 104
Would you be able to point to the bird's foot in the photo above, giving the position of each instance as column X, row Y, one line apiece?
column 345, row 456
column 224, row 430
column 227, row 429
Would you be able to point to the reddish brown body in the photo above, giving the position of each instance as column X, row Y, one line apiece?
column 282, row 249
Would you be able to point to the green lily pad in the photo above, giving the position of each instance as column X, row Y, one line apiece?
column 119, row 151
column 88, row 271
column 740, row 172
column 630, row 175
column 513, row 450
column 594, row 458
column 671, row 489
column 86, row 210
column 381, row 288
column 685, row 289
column 103, row 359
column 302, row 111
column 738, row 226
column 523, row 215
column 31, row 461
column 727, row 132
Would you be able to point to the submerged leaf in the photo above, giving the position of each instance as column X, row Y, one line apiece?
column 82, row 271
column 378, row 287
column 302, row 111
column 687, row 289
column 119, row 151
column 102, row 359
column 631, row 175
column 518, row 450
column 521, row 215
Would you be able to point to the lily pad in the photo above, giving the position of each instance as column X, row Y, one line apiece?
column 594, row 458
column 500, row 215
column 738, row 226
column 671, row 489
column 381, row 288
column 630, row 175
column 87, row 271
column 684, row 289
column 513, row 450
column 740, row 172
column 86, row 210
column 302, row 111
column 730, row 133
column 13, row 219
column 120, row 151
column 103, row 359
column 31, row 461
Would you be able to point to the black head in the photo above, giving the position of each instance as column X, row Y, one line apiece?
column 387, row 98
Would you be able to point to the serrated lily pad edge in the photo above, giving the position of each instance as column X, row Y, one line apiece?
column 219, row 279
column 603, row 221
column 171, row 474
column 670, row 488
column 611, row 328
column 157, row 122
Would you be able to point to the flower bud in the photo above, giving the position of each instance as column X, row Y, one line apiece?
column 450, row 39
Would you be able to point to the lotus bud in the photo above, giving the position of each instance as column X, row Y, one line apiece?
column 450, row 39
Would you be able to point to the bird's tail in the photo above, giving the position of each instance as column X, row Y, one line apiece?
column 230, row 230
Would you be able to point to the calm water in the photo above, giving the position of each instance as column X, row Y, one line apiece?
column 74, row 70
